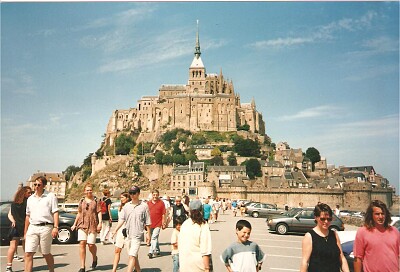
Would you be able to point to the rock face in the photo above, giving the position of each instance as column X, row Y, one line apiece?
column 119, row 176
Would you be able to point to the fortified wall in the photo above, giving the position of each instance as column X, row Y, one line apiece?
column 353, row 196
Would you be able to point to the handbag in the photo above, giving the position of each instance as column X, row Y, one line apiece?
column 12, row 232
column 124, row 232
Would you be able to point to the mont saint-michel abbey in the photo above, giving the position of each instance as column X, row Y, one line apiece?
column 207, row 102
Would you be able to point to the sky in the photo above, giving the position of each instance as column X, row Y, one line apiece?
column 323, row 74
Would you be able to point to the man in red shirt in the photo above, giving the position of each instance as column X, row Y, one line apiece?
column 158, row 218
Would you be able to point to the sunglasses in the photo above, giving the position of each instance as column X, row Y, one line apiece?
column 87, row 206
column 37, row 184
column 323, row 219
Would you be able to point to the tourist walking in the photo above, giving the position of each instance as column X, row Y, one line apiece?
column 175, row 242
column 158, row 217
column 88, row 222
column 41, row 224
column 178, row 210
column 106, row 218
column 195, row 251
column 377, row 243
column 243, row 255
column 136, row 215
column 207, row 210
column 16, row 215
column 119, row 236
column 321, row 249
column 216, row 205
column 234, row 207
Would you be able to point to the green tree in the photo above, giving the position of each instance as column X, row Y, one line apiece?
column 217, row 160
column 175, row 148
column 198, row 139
column 313, row 154
column 179, row 159
column 144, row 148
column 159, row 157
column 86, row 172
column 253, row 168
column 232, row 161
column 245, row 127
column 124, row 144
column 87, row 161
column 167, row 159
column 191, row 157
column 216, row 152
column 136, row 168
column 246, row 147
column 72, row 169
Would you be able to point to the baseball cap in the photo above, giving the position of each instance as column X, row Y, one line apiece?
column 195, row 204
column 134, row 189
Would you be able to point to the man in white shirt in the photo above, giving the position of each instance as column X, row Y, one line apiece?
column 41, row 224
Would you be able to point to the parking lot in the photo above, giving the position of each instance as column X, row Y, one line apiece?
column 283, row 251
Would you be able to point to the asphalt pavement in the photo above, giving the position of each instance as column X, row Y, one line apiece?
column 283, row 251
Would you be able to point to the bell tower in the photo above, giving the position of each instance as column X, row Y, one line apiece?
column 197, row 72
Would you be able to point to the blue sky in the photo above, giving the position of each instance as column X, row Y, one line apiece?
column 323, row 74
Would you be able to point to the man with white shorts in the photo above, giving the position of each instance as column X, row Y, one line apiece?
column 136, row 215
column 41, row 224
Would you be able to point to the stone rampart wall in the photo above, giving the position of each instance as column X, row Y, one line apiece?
column 155, row 171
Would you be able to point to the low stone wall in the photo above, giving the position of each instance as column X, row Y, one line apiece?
column 354, row 221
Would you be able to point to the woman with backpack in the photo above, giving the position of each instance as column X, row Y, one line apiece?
column 105, row 204
column 88, row 223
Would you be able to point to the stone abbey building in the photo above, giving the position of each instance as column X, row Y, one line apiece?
column 207, row 102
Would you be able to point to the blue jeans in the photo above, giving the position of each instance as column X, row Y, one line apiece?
column 154, row 245
column 175, row 261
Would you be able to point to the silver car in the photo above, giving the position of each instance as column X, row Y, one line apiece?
column 299, row 220
column 257, row 209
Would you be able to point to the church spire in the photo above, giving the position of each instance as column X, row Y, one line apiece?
column 197, row 52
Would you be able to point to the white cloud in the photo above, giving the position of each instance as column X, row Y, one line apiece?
column 320, row 33
column 20, row 83
column 387, row 126
column 157, row 49
column 382, row 44
column 44, row 32
column 316, row 112
column 115, row 32
column 369, row 73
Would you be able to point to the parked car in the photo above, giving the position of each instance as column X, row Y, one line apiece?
column 347, row 248
column 69, row 207
column 114, row 210
column 65, row 234
column 258, row 209
column 299, row 220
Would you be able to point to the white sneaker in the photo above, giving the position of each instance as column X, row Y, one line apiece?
column 18, row 258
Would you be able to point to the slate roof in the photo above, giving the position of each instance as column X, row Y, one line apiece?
column 237, row 182
column 368, row 169
column 274, row 164
column 220, row 168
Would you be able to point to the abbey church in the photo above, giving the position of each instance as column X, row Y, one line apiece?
column 207, row 102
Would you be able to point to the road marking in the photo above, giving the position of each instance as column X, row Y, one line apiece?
column 273, row 240
column 280, row 247
column 283, row 269
column 283, row 256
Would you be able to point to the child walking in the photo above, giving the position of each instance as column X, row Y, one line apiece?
column 243, row 255
column 174, row 242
